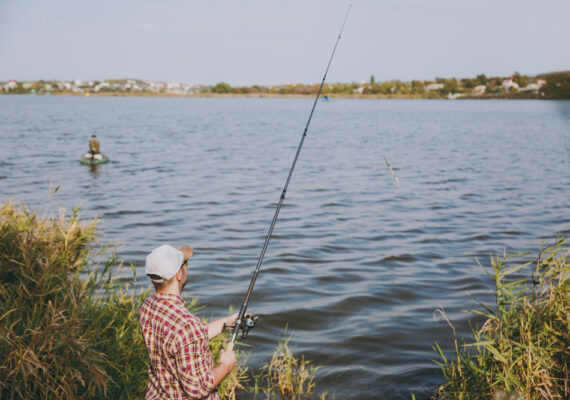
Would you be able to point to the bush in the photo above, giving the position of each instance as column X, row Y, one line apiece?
column 68, row 328
column 522, row 349
column 46, row 344
column 68, row 331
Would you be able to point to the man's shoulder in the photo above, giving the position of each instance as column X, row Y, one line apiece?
column 189, row 320
column 174, row 313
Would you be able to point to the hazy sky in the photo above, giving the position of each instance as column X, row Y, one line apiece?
column 244, row 42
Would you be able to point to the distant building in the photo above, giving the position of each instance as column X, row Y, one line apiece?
column 479, row 90
column 434, row 86
column 102, row 85
column 509, row 84
column 11, row 85
column 531, row 87
column 157, row 87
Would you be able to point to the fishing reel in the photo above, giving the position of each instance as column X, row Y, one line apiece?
column 246, row 324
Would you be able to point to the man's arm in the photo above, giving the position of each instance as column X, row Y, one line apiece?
column 187, row 251
column 216, row 327
column 227, row 362
column 195, row 379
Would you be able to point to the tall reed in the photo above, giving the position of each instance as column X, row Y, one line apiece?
column 522, row 351
column 45, row 349
column 286, row 376
column 69, row 325
column 69, row 329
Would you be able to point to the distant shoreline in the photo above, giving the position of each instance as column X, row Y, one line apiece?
column 514, row 96
column 549, row 86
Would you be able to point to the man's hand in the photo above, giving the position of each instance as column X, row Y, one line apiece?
column 228, row 357
column 187, row 251
column 231, row 320
column 225, row 364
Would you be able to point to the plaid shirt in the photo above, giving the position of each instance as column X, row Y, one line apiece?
column 178, row 346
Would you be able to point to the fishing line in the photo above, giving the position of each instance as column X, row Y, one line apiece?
column 243, row 321
column 391, row 170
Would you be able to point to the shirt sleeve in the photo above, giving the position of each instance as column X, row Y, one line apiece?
column 193, row 361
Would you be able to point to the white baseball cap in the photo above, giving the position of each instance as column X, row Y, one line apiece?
column 164, row 261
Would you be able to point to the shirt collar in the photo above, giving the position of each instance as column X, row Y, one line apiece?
column 169, row 297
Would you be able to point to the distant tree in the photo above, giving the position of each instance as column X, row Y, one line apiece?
column 496, row 81
column 451, row 85
column 374, row 89
column 418, row 87
column 482, row 79
column 557, row 85
column 469, row 83
column 242, row 90
column 222, row 87
column 349, row 89
column 372, row 80
column 522, row 80
column 401, row 87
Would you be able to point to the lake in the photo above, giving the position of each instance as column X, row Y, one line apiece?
column 357, row 264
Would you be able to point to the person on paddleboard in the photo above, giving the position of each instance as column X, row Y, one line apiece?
column 177, row 341
column 94, row 147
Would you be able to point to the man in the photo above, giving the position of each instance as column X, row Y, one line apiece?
column 94, row 145
column 181, row 364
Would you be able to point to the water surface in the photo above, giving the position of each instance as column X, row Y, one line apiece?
column 357, row 264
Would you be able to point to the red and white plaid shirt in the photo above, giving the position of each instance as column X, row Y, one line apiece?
column 178, row 346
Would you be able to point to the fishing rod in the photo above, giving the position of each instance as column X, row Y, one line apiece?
column 246, row 322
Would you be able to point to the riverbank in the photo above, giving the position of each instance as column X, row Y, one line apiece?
column 69, row 328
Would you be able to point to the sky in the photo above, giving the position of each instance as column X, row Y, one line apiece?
column 269, row 42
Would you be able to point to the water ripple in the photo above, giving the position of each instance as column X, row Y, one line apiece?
column 357, row 264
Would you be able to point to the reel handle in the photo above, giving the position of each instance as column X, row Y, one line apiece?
column 245, row 325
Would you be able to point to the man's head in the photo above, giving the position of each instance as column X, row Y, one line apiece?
column 166, row 266
column 93, row 136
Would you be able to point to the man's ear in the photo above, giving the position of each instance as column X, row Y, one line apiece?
column 179, row 275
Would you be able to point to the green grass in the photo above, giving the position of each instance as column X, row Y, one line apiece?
column 69, row 328
column 46, row 343
column 522, row 351
column 286, row 376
